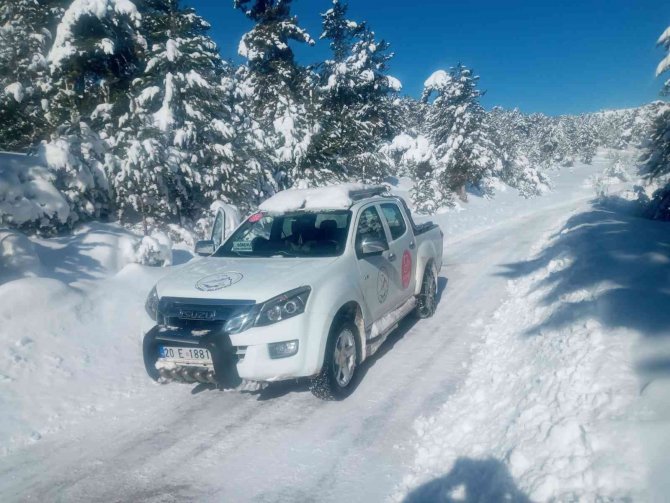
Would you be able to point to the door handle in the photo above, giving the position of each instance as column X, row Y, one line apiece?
column 411, row 245
column 391, row 257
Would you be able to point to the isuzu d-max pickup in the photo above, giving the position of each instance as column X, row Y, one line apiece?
column 307, row 287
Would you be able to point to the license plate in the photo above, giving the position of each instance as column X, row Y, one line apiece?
column 192, row 356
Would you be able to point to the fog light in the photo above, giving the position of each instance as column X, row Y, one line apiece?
column 283, row 349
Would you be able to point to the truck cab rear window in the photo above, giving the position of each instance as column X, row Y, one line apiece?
column 394, row 219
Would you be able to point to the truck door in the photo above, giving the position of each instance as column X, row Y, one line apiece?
column 374, row 269
column 402, row 253
column 226, row 221
column 217, row 229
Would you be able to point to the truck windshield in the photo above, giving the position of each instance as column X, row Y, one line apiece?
column 296, row 234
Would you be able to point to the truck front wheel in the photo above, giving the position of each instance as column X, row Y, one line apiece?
column 336, row 379
column 427, row 298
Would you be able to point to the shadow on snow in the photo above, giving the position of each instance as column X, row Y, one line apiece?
column 622, row 261
column 618, row 272
column 470, row 480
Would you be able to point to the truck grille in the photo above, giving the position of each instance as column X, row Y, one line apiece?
column 199, row 314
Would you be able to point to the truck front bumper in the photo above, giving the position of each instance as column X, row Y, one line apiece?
column 246, row 355
column 223, row 372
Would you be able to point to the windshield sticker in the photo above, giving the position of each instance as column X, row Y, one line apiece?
column 255, row 217
column 406, row 269
column 382, row 285
column 218, row 281
column 242, row 246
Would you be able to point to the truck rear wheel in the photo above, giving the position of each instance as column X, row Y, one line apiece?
column 336, row 379
column 427, row 298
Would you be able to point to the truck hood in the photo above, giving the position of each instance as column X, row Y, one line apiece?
column 257, row 279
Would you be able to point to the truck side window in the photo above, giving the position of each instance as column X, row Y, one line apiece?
column 370, row 226
column 395, row 220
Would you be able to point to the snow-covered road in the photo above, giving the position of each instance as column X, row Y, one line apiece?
column 281, row 444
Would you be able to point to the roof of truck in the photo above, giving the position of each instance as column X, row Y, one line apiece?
column 341, row 196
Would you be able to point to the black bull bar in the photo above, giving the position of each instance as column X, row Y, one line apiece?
column 224, row 372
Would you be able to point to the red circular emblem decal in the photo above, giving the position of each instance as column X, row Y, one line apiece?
column 406, row 268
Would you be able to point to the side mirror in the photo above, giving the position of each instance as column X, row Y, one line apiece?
column 371, row 246
column 204, row 248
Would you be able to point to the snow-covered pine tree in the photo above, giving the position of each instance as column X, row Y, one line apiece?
column 279, row 95
column 506, row 133
column 616, row 129
column 534, row 126
column 413, row 155
column 644, row 119
column 92, row 61
column 664, row 65
column 356, row 101
column 587, row 138
column 234, row 177
column 656, row 164
column 176, row 144
column 26, row 33
column 509, row 132
column 458, row 128
column 410, row 115
column 553, row 143
column 657, row 161
column 567, row 140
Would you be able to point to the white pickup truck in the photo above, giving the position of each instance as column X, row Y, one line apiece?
column 309, row 286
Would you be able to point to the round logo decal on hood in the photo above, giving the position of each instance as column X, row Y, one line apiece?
column 218, row 281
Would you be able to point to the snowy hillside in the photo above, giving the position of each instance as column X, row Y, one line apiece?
column 69, row 315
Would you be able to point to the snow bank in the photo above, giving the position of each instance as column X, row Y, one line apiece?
column 18, row 257
column 153, row 250
column 614, row 173
column 67, row 353
column 550, row 395
column 93, row 251
column 333, row 197
column 28, row 196
column 71, row 318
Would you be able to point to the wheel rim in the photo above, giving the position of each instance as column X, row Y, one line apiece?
column 344, row 357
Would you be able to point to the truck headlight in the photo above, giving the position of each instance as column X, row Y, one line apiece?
column 151, row 305
column 284, row 306
column 240, row 322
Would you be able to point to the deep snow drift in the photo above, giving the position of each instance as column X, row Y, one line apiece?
column 568, row 396
column 69, row 333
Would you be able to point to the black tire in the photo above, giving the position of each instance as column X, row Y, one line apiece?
column 332, row 383
column 426, row 301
